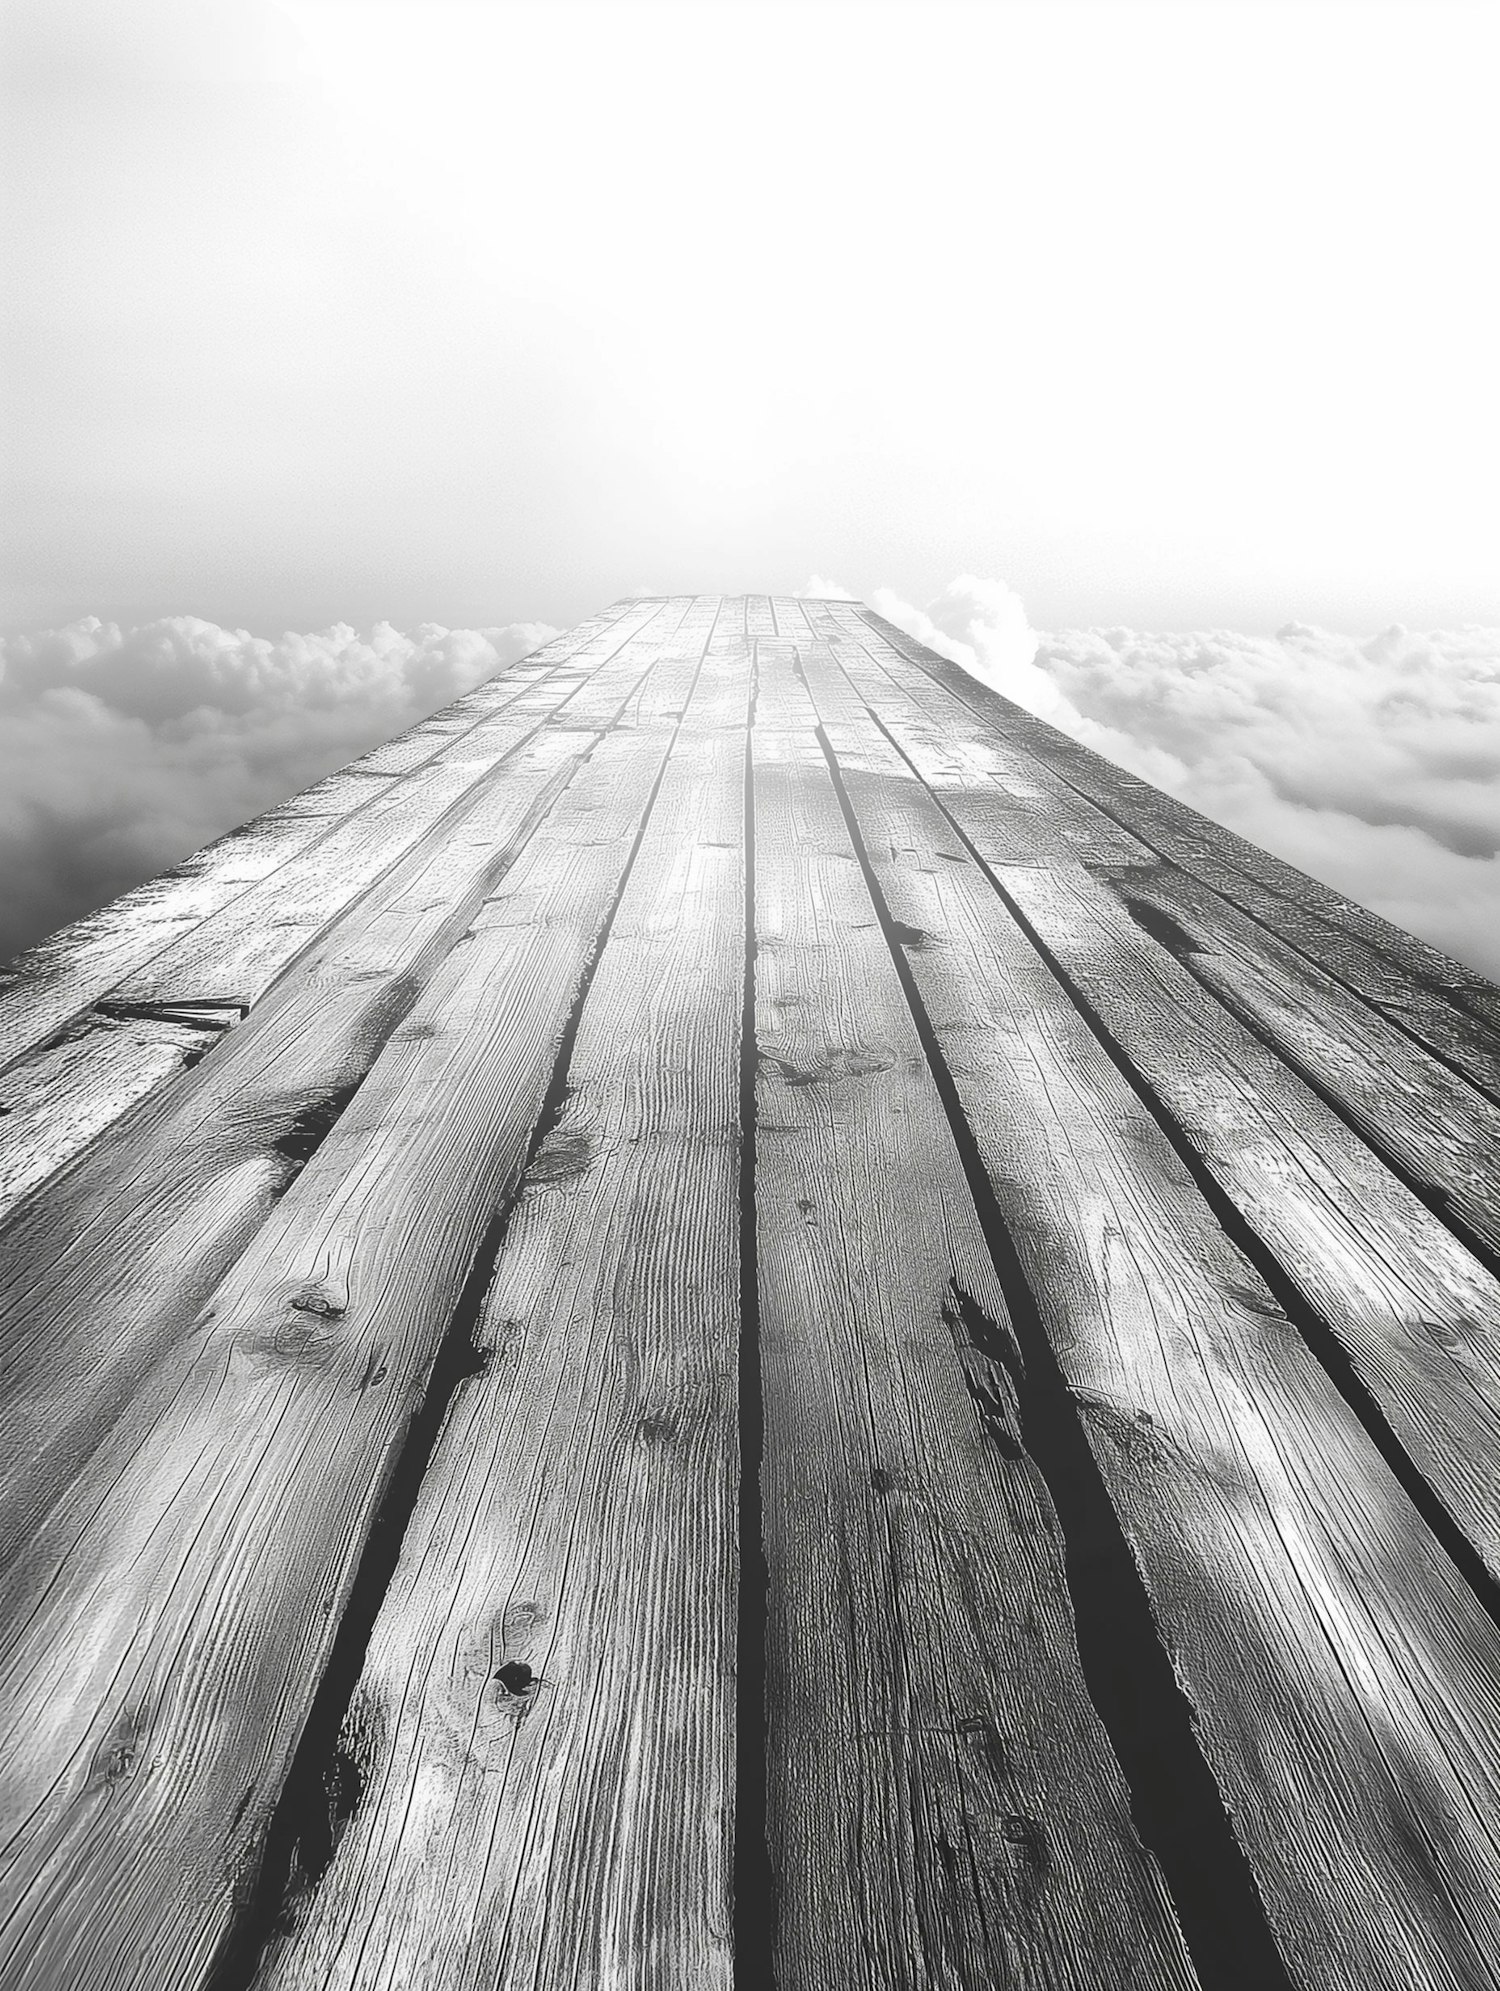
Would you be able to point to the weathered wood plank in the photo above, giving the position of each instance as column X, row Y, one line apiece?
column 1442, row 1133
column 211, row 1540
column 107, row 1271
column 1447, row 1006
column 53, row 1103
column 760, row 616
column 239, row 952
column 944, row 1809
column 1442, row 1024
column 1416, row 1315
column 577, row 1518
column 53, row 981
column 346, row 789
column 219, row 1312
column 1009, row 806
column 64, row 1095
column 793, row 624
column 1346, row 1683
column 1409, row 1086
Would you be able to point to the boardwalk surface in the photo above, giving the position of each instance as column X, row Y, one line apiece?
column 733, row 1318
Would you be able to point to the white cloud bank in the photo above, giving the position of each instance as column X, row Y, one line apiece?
column 122, row 751
column 1375, row 764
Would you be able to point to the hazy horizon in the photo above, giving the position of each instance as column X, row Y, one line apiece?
column 1174, row 316
column 1142, row 353
column 1371, row 763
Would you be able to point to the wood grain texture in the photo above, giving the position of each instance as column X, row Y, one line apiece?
column 1448, row 1007
column 578, row 1513
column 42, row 988
column 1442, row 1133
column 237, row 954
column 156, row 1675
column 1346, row 1683
column 464, row 1019
column 943, row 1807
column 1418, row 1317
column 1010, row 805
column 1430, row 1014
column 108, row 1271
column 64, row 1094
column 56, row 1101
column 1416, row 1314
column 102, row 1273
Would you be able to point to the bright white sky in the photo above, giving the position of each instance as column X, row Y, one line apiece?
column 1166, row 314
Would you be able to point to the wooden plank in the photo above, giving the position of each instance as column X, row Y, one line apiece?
column 790, row 613
column 237, row 954
column 1009, row 805
column 944, row 1808
column 578, row 1514
column 563, row 663
column 108, row 1269
column 346, row 789
column 1346, row 1684
column 1414, row 1313
column 209, row 1544
column 1449, row 1031
column 1442, row 1133
column 65, row 1094
column 53, row 981
column 1447, row 1006
column 53, row 1103
column 760, row 616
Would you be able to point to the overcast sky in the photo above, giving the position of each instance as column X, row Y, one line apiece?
column 1169, row 315
column 420, row 327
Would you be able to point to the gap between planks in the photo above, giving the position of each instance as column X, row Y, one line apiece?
column 64, row 1093
column 546, row 1703
column 1373, row 1759
column 1450, row 1009
column 142, row 1762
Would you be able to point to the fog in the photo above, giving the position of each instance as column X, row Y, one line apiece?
column 347, row 311
column 449, row 317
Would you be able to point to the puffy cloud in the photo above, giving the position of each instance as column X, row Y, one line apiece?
column 981, row 625
column 123, row 750
column 1373, row 764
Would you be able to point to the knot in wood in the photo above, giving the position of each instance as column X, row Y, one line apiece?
column 316, row 1299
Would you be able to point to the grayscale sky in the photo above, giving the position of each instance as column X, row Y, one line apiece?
column 1167, row 314
column 1142, row 355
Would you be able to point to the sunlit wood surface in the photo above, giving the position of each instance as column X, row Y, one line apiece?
column 733, row 1318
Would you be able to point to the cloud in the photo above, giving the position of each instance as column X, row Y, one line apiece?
column 123, row 750
column 981, row 625
column 1373, row 764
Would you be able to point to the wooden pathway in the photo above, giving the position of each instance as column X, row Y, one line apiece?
column 733, row 1318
